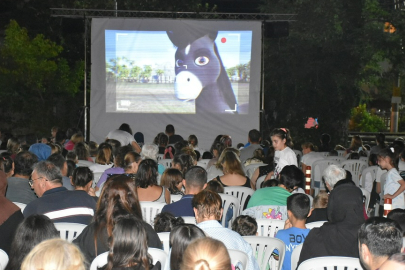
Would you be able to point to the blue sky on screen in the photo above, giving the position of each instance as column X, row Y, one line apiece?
column 155, row 48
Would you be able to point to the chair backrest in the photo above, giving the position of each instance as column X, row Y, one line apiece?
column 325, row 154
column 337, row 158
column 99, row 261
column 295, row 256
column 250, row 169
column 4, row 259
column 166, row 162
column 238, row 258
column 367, row 195
column 165, row 239
column 356, row 168
column 160, row 157
column 372, row 171
column 269, row 227
column 21, row 205
column 190, row 220
column 150, row 210
column 298, row 153
column 331, row 263
column 242, row 193
column 315, row 224
column 259, row 181
column 69, row 231
column 203, row 163
column 175, row 198
column 158, row 255
column 365, row 159
column 263, row 247
column 311, row 200
column 96, row 177
column 383, row 179
column 341, row 153
column 213, row 172
column 84, row 163
column 229, row 201
column 317, row 170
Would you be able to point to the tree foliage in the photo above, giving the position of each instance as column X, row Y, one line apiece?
column 363, row 121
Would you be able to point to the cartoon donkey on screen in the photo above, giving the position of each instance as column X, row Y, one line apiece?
column 200, row 74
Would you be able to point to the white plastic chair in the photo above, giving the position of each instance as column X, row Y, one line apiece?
column 84, row 163
column 367, row 195
column 97, row 176
column 250, row 169
column 341, row 153
column 295, row 256
column 269, row 227
column 229, row 201
column 150, row 210
column 311, row 200
column 166, row 162
column 383, row 179
column 263, row 247
column 355, row 167
column 238, row 258
column 190, row 220
column 213, row 172
column 325, row 154
column 336, row 158
column 165, row 239
column 99, row 261
column 318, row 167
column 365, row 159
column 203, row 163
column 160, row 157
column 4, row 259
column 69, row 231
column 298, row 153
column 21, row 205
column 175, row 198
column 331, row 263
column 372, row 171
column 242, row 193
column 259, row 181
column 158, row 255
column 315, row 224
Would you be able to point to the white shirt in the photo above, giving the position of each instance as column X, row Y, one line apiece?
column 283, row 158
column 391, row 186
column 311, row 157
column 122, row 136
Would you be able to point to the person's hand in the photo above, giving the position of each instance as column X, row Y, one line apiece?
column 92, row 192
column 287, row 224
column 388, row 196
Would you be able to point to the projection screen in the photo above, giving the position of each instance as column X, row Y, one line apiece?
column 202, row 76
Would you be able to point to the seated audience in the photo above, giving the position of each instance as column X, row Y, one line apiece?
column 207, row 206
column 165, row 222
column 124, row 135
column 32, row 231
column 138, row 136
column 93, row 150
column 170, row 132
column 309, row 155
column 233, row 171
column 82, row 180
column 258, row 158
column 338, row 237
column 217, row 187
column 151, row 151
column 193, row 142
column 118, row 198
column 269, row 183
column 61, row 163
column 162, row 142
column 172, row 179
column 42, row 151
column 7, row 165
column 319, row 210
column 195, row 181
column 379, row 238
column 294, row 232
column 74, row 139
column 131, row 163
column 55, row 201
column 104, row 158
column 332, row 174
column 245, row 225
column 55, row 254
column 254, row 139
column 81, row 149
column 72, row 156
column 325, row 143
column 147, row 186
column 182, row 162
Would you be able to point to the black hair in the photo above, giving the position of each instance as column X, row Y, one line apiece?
column 254, row 136
column 122, row 152
column 180, row 145
column 165, row 222
column 6, row 163
column 333, row 153
column 196, row 176
column 380, row 138
column 353, row 156
column 180, row 237
column 23, row 163
column 283, row 133
column 71, row 156
column 398, row 215
column 58, row 160
column 207, row 155
column 60, row 136
column 291, row 177
column 215, row 186
column 299, row 205
column 382, row 236
column 373, row 159
column 147, row 173
column 115, row 146
column 163, row 139
column 269, row 183
column 184, row 160
column 388, row 152
column 31, row 231
column 125, row 127
column 170, row 129
column 82, row 176
column 197, row 153
column 71, row 167
column 245, row 225
column 192, row 137
column 325, row 139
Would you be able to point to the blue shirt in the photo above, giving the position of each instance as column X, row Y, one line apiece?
column 292, row 237
column 181, row 208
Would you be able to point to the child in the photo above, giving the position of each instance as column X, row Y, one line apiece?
column 281, row 140
column 165, row 222
column 245, row 225
column 319, row 211
column 294, row 232
column 394, row 185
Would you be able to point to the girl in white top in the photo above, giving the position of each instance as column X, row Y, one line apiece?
column 394, row 185
column 281, row 140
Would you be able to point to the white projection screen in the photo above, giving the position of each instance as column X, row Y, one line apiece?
column 202, row 76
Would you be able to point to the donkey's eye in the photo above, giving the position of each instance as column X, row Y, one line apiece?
column 179, row 63
column 202, row 60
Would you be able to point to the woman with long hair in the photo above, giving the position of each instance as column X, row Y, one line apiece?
column 118, row 198
column 147, row 186
column 104, row 158
column 233, row 172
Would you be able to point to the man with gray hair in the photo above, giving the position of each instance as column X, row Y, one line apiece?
column 332, row 174
column 55, row 201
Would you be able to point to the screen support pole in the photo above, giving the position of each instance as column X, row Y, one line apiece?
column 262, row 112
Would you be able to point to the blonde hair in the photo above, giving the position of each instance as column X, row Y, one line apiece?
column 54, row 254
column 206, row 254
column 321, row 200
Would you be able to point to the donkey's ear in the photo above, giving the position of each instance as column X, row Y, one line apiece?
column 183, row 35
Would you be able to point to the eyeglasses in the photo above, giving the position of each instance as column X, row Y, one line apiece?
column 31, row 181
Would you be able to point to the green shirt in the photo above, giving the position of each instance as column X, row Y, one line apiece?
column 269, row 196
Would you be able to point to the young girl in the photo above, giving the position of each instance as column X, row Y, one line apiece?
column 281, row 140
column 394, row 185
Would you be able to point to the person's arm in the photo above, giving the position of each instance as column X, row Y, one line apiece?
column 167, row 196
column 136, row 147
column 254, row 178
column 303, row 167
column 269, row 176
column 399, row 191
column 378, row 187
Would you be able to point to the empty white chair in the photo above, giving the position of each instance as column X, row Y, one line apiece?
column 158, row 255
column 203, row 163
column 259, row 181
column 295, row 256
column 69, row 231
column 175, row 198
column 166, row 162
column 250, row 169
column 370, row 174
column 355, row 167
column 4, row 259
column 341, row 153
column 318, row 167
column 238, row 258
column 242, row 193
column 263, row 247
column 315, row 224
column 165, row 239
column 331, row 263
column 21, row 205
column 99, row 261
column 367, row 195
column 229, row 201
column 298, row 153
column 325, row 154
column 269, row 227
column 190, row 220
column 365, row 159
column 336, row 158
column 150, row 210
